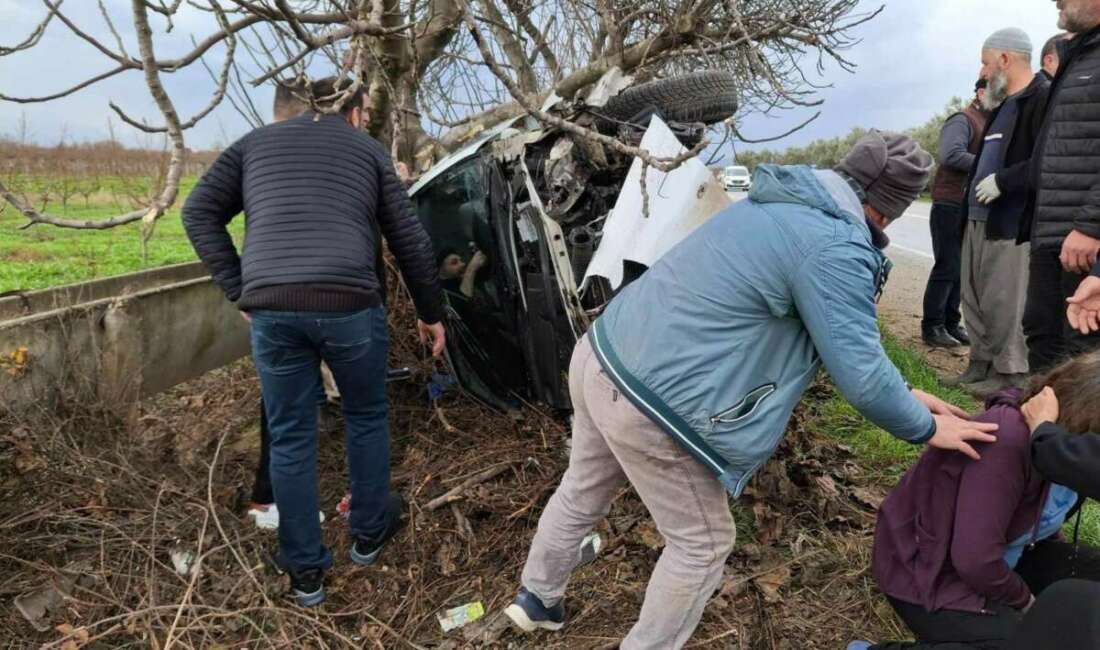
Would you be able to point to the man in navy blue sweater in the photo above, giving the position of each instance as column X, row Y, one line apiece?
column 317, row 194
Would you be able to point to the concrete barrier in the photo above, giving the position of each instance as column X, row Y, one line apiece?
column 117, row 339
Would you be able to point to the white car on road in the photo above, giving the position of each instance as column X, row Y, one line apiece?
column 736, row 177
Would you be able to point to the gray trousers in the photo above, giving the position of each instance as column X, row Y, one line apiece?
column 613, row 442
column 994, row 292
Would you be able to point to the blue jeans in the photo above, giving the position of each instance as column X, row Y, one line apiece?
column 287, row 348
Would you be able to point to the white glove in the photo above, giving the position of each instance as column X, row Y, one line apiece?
column 987, row 190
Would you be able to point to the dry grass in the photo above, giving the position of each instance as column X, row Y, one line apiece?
column 79, row 488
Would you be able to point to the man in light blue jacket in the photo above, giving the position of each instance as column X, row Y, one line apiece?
column 685, row 385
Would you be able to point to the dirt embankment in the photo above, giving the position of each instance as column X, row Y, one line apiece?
column 901, row 308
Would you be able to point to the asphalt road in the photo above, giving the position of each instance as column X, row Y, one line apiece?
column 909, row 235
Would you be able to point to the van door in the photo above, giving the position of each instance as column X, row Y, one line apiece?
column 481, row 342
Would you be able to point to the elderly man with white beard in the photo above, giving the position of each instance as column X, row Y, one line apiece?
column 994, row 266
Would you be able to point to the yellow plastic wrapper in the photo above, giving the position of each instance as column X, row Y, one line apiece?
column 454, row 618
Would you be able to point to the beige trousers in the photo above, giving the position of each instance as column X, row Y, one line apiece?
column 614, row 442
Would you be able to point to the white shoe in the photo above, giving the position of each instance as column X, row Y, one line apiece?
column 266, row 516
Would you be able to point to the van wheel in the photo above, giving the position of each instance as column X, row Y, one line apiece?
column 708, row 97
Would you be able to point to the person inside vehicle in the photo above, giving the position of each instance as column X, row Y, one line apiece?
column 686, row 383
column 963, row 547
column 457, row 275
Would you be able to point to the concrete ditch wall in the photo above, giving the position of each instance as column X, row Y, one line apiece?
column 117, row 339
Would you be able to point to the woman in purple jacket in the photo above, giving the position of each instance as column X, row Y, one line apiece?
column 957, row 544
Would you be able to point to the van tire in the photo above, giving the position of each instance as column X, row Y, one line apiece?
column 708, row 97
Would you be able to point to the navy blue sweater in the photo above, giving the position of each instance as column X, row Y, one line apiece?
column 318, row 196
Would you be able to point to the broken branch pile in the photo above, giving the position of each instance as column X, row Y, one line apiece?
column 112, row 537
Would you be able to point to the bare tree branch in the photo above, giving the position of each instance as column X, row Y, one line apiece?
column 510, row 45
column 111, row 26
column 424, row 61
column 80, row 86
column 663, row 164
column 219, row 92
column 35, row 35
column 168, row 193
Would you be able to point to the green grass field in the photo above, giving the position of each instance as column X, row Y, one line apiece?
column 43, row 256
column 886, row 456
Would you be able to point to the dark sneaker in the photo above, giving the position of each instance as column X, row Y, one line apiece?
column 937, row 337
column 308, row 587
column 975, row 372
column 529, row 614
column 365, row 550
column 959, row 333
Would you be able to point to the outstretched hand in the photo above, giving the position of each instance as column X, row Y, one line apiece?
column 1084, row 306
column 937, row 405
column 432, row 334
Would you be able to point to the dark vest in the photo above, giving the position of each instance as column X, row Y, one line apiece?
column 949, row 185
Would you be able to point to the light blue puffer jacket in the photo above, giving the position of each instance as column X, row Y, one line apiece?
column 719, row 339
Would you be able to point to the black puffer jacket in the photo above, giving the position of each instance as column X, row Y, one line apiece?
column 1066, row 165
column 317, row 195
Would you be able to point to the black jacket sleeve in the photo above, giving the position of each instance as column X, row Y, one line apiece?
column 213, row 203
column 409, row 242
column 1068, row 459
column 1017, row 177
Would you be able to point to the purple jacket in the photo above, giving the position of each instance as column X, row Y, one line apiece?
column 941, row 533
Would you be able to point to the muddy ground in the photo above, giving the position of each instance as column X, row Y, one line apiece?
column 96, row 510
column 900, row 311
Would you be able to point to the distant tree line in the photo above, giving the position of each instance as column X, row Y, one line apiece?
column 825, row 153
column 96, row 173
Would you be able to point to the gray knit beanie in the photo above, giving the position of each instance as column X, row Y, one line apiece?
column 891, row 168
column 1009, row 39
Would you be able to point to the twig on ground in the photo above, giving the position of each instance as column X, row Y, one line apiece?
column 455, row 493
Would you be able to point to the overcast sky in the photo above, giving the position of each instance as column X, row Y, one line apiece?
column 912, row 59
